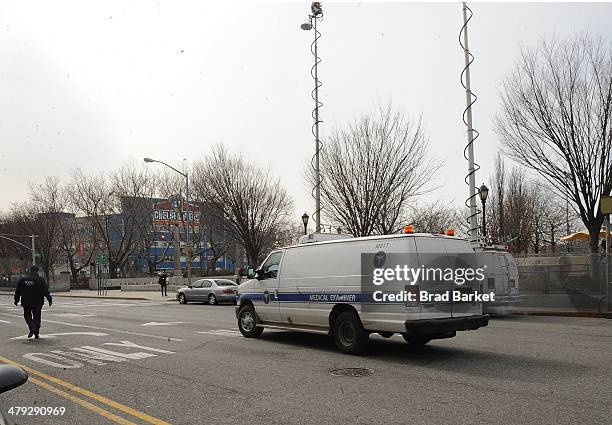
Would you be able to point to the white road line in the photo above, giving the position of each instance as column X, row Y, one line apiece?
column 162, row 323
column 4, row 321
column 222, row 332
column 106, row 329
column 64, row 333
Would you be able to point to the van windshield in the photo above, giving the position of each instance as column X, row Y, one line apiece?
column 270, row 267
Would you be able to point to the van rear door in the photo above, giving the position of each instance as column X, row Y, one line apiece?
column 462, row 256
column 431, row 255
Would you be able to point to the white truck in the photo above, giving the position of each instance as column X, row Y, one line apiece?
column 319, row 287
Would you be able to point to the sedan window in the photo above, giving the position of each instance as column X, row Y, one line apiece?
column 224, row 282
column 206, row 284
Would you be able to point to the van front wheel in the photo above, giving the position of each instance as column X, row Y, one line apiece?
column 349, row 335
column 247, row 322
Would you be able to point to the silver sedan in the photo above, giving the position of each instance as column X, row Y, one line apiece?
column 212, row 291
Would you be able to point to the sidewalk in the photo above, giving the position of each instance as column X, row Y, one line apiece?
column 115, row 294
column 567, row 311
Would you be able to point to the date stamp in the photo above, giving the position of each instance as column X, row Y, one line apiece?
column 36, row 411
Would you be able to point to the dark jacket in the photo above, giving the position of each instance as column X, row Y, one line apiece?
column 32, row 290
column 163, row 280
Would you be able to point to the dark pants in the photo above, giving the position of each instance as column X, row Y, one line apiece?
column 164, row 290
column 32, row 318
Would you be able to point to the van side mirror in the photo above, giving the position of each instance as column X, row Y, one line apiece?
column 11, row 377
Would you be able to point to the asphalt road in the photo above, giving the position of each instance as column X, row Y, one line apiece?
column 144, row 362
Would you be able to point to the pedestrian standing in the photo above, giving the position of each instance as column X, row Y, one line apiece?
column 32, row 290
column 163, row 282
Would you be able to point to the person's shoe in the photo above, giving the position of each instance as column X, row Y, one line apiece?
column 31, row 334
column 36, row 336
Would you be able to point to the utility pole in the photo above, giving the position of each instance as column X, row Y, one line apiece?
column 33, row 250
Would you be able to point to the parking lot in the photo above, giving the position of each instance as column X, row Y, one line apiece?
column 130, row 361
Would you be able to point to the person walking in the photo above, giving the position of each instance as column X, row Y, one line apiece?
column 32, row 290
column 163, row 281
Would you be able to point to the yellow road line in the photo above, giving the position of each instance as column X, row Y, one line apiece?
column 99, row 398
column 108, row 415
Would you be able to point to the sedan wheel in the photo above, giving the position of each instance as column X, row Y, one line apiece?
column 182, row 298
column 212, row 300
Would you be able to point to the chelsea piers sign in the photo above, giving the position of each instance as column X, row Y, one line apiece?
column 168, row 213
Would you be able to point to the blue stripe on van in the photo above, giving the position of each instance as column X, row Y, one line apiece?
column 340, row 297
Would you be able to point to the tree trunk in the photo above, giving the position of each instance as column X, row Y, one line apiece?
column 74, row 274
column 553, row 244
column 594, row 237
column 112, row 269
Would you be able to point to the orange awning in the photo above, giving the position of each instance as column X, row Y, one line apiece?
column 582, row 236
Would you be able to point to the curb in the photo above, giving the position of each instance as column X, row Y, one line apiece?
column 108, row 298
column 60, row 295
column 587, row 314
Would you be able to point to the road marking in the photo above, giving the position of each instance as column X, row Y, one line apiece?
column 4, row 321
column 82, row 403
column 109, row 304
column 73, row 358
column 104, row 329
column 101, row 399
column 64, row 333
column 221, row 332
column 72, row 315
column 162, row 323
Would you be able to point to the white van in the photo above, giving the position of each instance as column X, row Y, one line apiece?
column 502, row 278
column 318, row 287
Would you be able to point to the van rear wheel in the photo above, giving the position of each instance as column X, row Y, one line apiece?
column 416, row 340
column 247, row 321
column 349, row 335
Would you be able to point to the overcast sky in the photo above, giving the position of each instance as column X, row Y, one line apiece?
column 97, row 84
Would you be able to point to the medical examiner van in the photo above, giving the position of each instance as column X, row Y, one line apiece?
column 318, row 287
column 502, row 278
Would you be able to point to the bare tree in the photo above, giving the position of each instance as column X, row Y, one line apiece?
column 255, row 206
column 519, row 210
column 75, row 235
column 556, row 119
column 372, row 169
column 116, row 205
column 435, row 217
column 496, row 229
column 41, row 216
column 549, row 218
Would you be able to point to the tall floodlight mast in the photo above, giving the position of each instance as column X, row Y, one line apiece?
column 316, row 15
column 472, row 134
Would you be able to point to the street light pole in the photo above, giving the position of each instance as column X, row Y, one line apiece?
column 305, row 221
column 32, row 248
column 188, row 235
column 484, row 193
